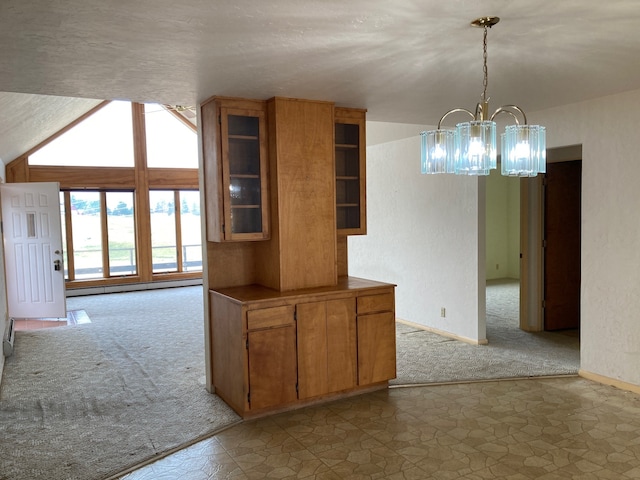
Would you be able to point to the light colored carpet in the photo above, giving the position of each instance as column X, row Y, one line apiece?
column 425, row 357
column 85, row 402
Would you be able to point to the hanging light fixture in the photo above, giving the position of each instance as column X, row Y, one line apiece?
column 470, row 149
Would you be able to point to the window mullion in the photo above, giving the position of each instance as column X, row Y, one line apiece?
column 71, row 264
column 106, row 269
column 178, row 212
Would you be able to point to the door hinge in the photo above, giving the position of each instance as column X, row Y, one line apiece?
column 544, row 303
column 223, row 232
column 249, row 398
column 246, row 344
column 297, row 391
column 219, row 119
column 295, row 313
column 544, row 244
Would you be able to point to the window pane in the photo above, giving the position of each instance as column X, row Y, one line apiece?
column 121, row 231
column 170, row 143
column 190, row 231
column 87, row 234
column 105, row 139
column 163, row 231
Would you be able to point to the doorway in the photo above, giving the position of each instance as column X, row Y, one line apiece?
column 533, row 205
column 562, row 227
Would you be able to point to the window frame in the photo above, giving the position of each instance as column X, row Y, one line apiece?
column 140, row 179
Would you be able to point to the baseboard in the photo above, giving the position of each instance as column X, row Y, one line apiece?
column 444, row 333
column 132, row 287
column 630, row 387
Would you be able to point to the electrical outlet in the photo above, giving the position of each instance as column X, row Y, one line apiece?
column 443, row 312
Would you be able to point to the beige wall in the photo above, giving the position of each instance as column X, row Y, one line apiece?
column 503, row 226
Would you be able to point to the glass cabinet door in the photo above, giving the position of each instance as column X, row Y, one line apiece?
column 350, row 171
column 244, row 169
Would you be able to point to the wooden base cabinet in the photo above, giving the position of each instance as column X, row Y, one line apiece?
column 281, row 350
column 327, row 347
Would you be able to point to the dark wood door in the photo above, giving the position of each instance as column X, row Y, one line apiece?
column 562, row 214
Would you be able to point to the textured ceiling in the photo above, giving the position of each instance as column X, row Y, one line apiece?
column 405, row 61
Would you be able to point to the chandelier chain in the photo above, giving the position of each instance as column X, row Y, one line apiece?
column 485, row 70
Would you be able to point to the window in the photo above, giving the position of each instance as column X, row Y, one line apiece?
column 176, row 243
column 86, row 228
column 121, row 233
column 105, row 139
column 126, row 222
column 170, row 142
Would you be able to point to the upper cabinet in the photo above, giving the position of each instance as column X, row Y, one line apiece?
column 234, row 135
column 350, row 153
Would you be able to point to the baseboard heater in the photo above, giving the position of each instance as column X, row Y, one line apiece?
column 9, row 337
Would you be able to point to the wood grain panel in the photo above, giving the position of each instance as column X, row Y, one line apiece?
column 312, row 349
column 376, row 347
column 229, row 352
column 272, row 367
column 173, row 178
column 303, row 135
column 270, row 317
column 85, row 177
column 230, row 264
column 212, row 171
column 341, row 344
column 375, row 303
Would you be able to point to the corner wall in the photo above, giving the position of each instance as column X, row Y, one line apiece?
column 425, row 234
column 610, row 300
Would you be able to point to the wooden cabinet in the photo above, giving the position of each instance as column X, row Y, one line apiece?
column 350, row 159
column 376, row 338
column 287, row 326
column 326, row 340
column 271, row 359
column 275, row 350
column 236, row 169
column 302, row 252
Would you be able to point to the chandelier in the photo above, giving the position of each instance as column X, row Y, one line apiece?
column 470, row 148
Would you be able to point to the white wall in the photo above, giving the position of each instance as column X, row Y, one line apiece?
column 607, row 128
column 423, row 235
column 424, row 231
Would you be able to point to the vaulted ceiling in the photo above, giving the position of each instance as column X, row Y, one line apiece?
column 405, row 61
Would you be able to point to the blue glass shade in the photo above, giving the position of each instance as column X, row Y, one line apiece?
column 476, row 144
column 524, row 151
column 437, row 151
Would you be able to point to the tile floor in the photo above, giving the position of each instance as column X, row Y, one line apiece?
column 74, row 317
column 544, row 429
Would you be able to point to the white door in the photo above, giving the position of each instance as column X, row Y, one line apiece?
column 32, row 239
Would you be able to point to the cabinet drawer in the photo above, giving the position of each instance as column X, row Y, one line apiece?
column 270, row 317
column 375, row 303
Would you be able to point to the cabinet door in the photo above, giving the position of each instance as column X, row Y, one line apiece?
column 326, row 336
column 351, row 212
column 376, row 347
column 272, row 367
column 244, row 174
